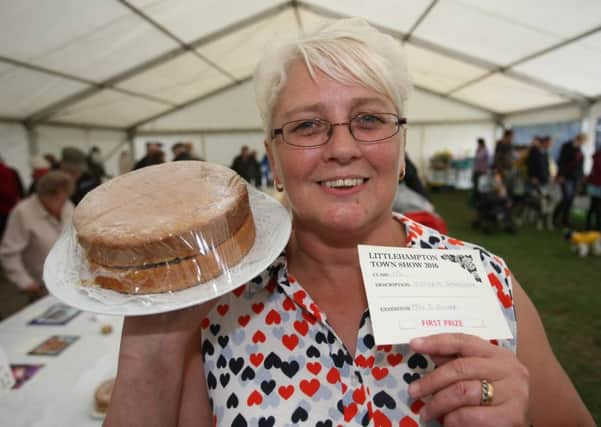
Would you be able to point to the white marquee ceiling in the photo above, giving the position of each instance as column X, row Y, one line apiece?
column 171, row 64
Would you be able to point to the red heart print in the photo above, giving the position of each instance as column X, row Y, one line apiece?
column 408, row 422
column 309, row 387
column 254, row 398
column 381, row 420
column 273, row 317
column 258, row 307
column 301, row 327
column 286, row 391
column 258, row 337
column 379, row 373
column 350, row 411
column 394, row 359
column 333, row 376
column 314, row 367
column 243, row 320
column 256, row 359
column 359, row 395
column 290, row 341
column 309, row 317
column 288, row 304
column 417, row 405
column 299, row 296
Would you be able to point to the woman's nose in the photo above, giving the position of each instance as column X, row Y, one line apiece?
column 342, row 146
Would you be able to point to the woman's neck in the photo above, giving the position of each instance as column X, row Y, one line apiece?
column 335, row 257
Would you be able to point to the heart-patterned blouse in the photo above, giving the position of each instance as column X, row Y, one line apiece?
column 272, row 359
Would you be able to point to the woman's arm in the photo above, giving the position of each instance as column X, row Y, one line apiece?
column 156, row 353
column 553, row 398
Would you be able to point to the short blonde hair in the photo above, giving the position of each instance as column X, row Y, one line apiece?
column 349, row 51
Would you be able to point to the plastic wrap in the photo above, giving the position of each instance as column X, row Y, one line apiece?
column 146, row 252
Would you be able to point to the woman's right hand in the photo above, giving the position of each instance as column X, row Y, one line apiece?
column 154, row 354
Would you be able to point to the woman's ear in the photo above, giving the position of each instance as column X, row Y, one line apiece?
column 403, row 146
column 275, row 171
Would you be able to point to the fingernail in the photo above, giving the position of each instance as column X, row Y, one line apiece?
column 416, row 342
column 413, row 389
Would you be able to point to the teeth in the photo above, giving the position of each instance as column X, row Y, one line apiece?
column 348, row 182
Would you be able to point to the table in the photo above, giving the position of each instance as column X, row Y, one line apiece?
column 61, row 393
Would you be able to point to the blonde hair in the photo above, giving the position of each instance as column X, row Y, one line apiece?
column 349, row 51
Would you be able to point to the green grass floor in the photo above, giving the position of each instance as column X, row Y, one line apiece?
column 565, row 288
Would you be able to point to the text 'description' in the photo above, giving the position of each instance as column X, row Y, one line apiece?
column 418, row 292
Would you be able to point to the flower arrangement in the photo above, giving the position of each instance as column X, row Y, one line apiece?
column 441, row 160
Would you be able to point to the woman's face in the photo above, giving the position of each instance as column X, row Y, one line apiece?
column 308, row 174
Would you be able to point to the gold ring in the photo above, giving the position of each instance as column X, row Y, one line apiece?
column 488, row 393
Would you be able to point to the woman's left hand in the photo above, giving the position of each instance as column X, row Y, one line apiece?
column 456, row 388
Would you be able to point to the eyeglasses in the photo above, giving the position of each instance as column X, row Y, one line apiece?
column 364, row 128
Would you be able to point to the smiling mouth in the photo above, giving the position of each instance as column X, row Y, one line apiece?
column 343, row 182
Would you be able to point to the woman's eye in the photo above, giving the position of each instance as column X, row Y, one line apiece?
column 306, row 126
column 369, row 120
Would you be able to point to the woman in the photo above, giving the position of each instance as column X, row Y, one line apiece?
column 275, row 352
column 593, row 188
column 33, row 227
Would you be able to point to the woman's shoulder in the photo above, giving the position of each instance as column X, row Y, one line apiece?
column 499, row 275
column 424, row 237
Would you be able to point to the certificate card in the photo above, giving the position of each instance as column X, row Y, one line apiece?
column 417, row 292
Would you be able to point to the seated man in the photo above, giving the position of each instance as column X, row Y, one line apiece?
column 33, row 227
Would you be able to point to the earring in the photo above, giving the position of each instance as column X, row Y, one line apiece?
column 279, row 187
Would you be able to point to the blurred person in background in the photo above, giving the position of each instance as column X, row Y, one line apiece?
column 52, row 161
column 125, row 162
column 412, row 179
column 569, row 176
column 504, row 160
column 95, row 164
column 266, row 177
column 156, row 158
column 255, row 169
column 150, row 156
column 11, row 191
column 481, row 162
column 39, row 167
column 190, row 148
column 32, row 228
column 593, row 189
column 244, row 164
column 537, row 164
column 180, row 152
column 547, row 145
column 73, row 162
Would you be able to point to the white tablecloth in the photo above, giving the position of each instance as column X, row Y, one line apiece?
column 61, row 393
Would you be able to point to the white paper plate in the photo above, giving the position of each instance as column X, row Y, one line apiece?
column 64, row 269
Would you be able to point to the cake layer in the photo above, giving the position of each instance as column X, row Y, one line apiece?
column 180, row 274
column 158, row 213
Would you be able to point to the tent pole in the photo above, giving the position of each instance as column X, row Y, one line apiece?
column 131, row 134
column 203, row 146
column 32, row 140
